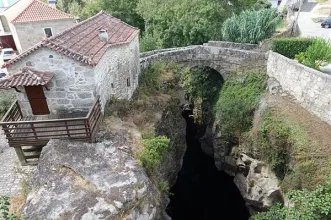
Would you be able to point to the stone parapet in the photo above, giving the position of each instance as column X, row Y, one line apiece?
column 311, row 88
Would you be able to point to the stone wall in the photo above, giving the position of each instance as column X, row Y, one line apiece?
column 29, row 34
column 310, row 87
column 116, row 74
column 222, row 59
column 226, row 44
column 72, row 86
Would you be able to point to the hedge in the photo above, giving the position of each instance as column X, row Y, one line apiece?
column 290, row 47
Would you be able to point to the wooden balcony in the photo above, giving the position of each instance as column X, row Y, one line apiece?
column 29, row 134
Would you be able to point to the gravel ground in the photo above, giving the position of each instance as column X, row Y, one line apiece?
column 11, row 172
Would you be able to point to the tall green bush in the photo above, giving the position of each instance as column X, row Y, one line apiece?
column 290, row 47
column 250, row 26
column 317, row 55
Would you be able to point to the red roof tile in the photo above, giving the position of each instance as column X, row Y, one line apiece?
column 33, row 10
column 81, row 42
column 26, row 77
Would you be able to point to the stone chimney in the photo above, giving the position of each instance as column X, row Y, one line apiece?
column 52, row 3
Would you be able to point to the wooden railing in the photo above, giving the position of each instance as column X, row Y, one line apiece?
column 32, row 133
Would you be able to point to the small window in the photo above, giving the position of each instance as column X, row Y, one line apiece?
column 112, row 85
column 128, row 83
column 48, row 32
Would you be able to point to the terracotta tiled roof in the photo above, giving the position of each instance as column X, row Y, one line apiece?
column 26, row 77
column 33, row 10
column 81, row 42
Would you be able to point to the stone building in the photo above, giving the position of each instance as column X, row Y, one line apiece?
column 31, row 21
column 96, row 57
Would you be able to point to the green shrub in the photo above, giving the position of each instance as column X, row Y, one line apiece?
column 4, row 209
column 317, row 55
column 250, row 26
column 307, row 205
column 237, row 101
column 6, row 99
column 262, row 4
column 154, row 148
column 164, row 186
column 290, row 47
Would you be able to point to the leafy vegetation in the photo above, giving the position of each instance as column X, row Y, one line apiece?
column 153, row 151
column 250, row 26
column 307, row 205
column 6, row 99
column 164, row 186
column 262, row 4
column 290, row 47
column 237, row 101
column 4, row 209
column 317, row 55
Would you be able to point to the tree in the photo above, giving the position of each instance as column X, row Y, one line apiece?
column 122, row 9
column 185, row 22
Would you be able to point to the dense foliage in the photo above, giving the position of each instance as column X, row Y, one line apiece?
column 124, row 10
column 201, row 83
column 307, row 205
column 290, row 47
column 317, row 55
column 4, row 209
column 152, row 154
column 180, row 23
column 237, row 101
column 250, row 26
column 167, row 23
column 6, row 99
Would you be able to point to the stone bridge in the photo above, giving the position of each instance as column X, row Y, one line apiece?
column 224, row 57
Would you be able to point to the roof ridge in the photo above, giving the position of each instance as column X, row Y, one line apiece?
column 61, row 42
column 42, row 3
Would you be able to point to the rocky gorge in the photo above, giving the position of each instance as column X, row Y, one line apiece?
column 203, row 168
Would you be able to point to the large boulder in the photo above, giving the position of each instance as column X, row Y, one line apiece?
column 257, row 184
column 90, row 181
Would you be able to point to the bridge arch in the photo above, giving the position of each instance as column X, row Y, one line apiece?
column 224, row 57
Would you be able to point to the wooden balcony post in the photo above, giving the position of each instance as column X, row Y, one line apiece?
column 34, row 131
column 20, row 155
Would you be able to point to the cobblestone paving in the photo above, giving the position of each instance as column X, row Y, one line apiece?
column 11, row 172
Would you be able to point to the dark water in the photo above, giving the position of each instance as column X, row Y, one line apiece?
column 201, row 191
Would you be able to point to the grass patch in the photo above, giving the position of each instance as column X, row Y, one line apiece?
column 279, row 139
